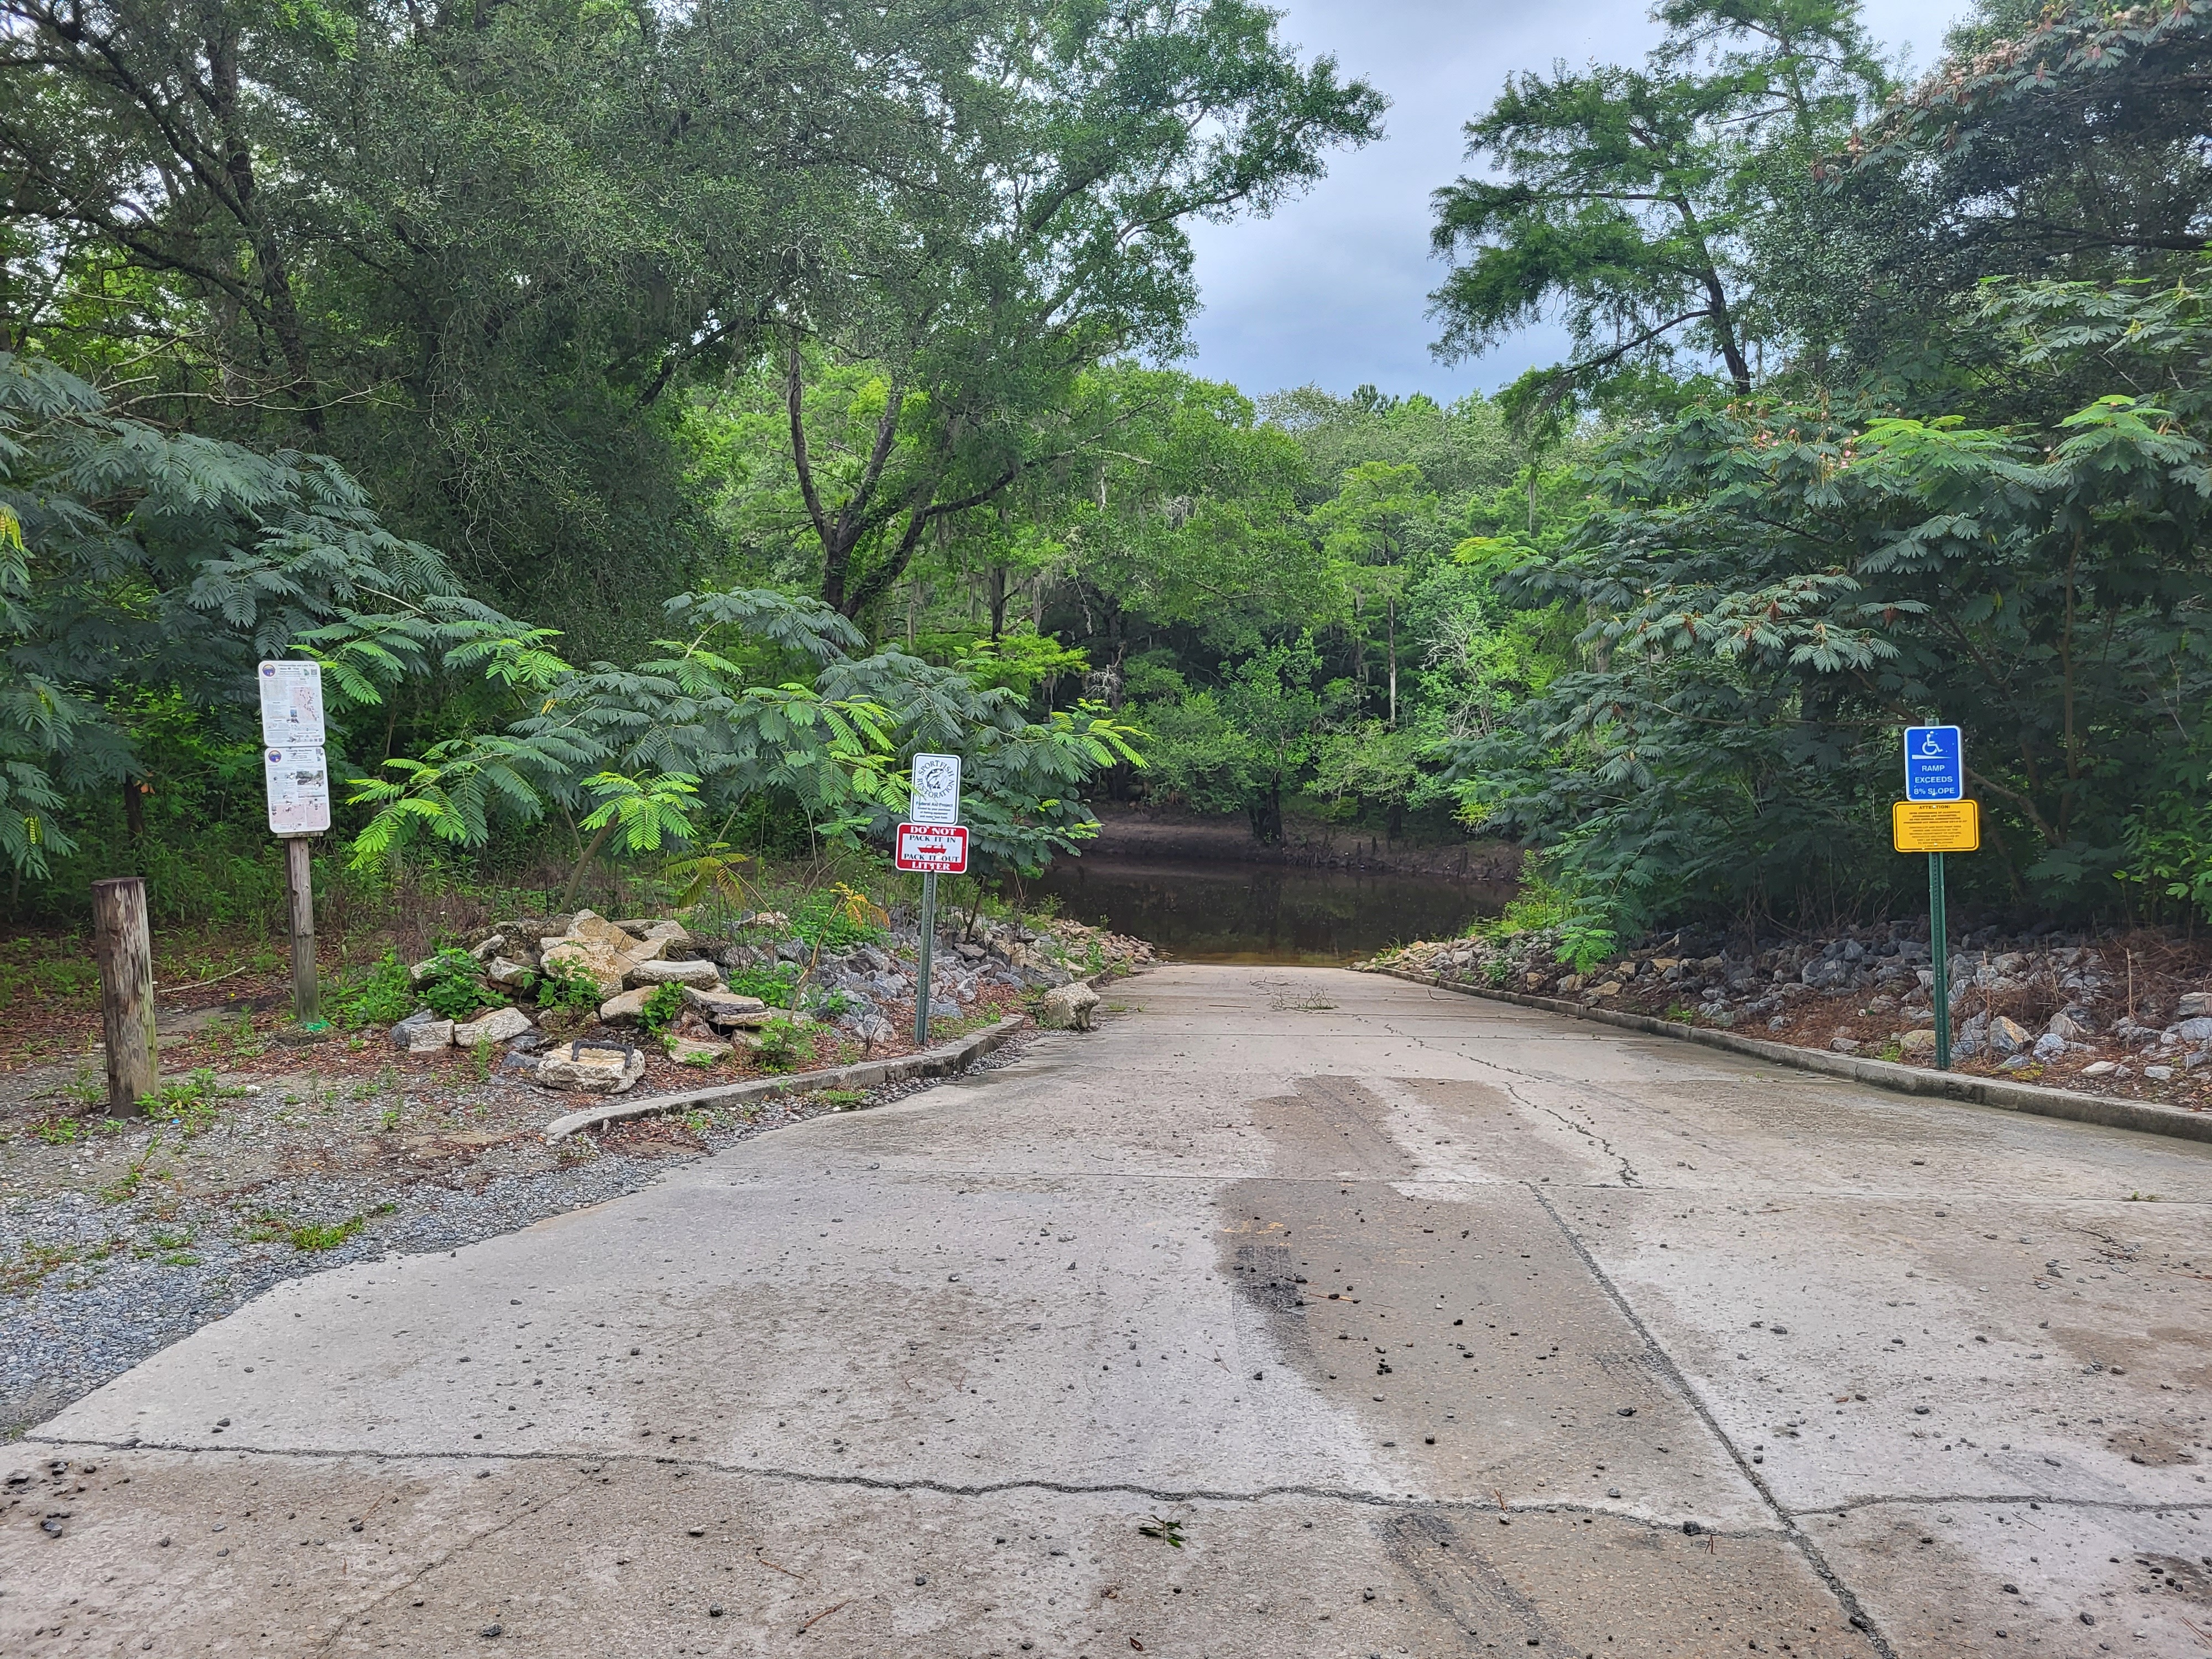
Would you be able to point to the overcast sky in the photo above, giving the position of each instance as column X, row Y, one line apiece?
column 1334, row 288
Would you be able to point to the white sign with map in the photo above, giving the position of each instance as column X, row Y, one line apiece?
column 292, row 704
column 299, row 781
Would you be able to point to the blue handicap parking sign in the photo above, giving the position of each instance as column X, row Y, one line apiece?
column 1935, row 764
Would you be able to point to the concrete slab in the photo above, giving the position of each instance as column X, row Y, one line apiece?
column 1532, row 1334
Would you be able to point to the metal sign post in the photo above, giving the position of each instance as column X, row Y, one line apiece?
column 297, row 775
column 1935, row 818
column 935, row 843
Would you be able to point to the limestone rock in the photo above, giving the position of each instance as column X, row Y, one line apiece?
column 724, row 1007
column 590, row 924
column 594, row 957
column 2007, row 1036
column 2100, row 1068
column 1917, row 1046
column 626, row 1009
column 697, row 1051
column 2195, row 1004
column 592, row 1070
column 500, row 1025
column 2068, row 1029
column 512, row 974
column 1069, row 1008
column 485, row 950
column 703, row 974
column 2198, row 1029
column 422, row 1033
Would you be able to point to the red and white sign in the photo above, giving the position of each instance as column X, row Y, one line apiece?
column 932, row 849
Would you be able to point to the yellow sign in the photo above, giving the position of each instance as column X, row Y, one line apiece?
column 1936, row 826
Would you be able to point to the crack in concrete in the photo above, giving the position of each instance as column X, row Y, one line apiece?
column 1845, row 1596
column 942, row 1488
column 415, row 1579
column 2032, row 1500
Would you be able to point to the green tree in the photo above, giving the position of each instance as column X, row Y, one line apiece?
column 1271, row 698
column 1626, row 193
column 1046, row 234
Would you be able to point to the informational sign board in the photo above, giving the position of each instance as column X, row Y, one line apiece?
column 1936, row 826
column 292, row 705
column 299, row 783
column 936, row 786
column 1935, row 764
column 932, row 849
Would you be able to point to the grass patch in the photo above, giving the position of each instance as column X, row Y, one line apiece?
column 191, row 1107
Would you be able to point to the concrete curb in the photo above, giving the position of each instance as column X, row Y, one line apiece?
column 2112, row 1113
column 942, row 1060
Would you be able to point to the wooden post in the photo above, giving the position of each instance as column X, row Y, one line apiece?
column 300, row 883
column 124, row 948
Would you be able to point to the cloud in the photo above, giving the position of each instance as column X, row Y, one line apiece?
column 1333, row 288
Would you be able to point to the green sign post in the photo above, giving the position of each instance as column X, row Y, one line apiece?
column 1935, row 818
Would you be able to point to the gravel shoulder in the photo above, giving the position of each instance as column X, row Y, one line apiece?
column 120, row 1240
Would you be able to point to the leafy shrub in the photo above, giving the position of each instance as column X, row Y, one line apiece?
column 454, row 987
column 838, row 919
column 383, row 995
column 662, row 1008
column 565, row 985
column 782, row 1046
column 772, row 986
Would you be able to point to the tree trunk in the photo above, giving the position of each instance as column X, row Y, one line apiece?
column 584, row 863
column 1266, row 813
column 1391, row 633
column 997, row 602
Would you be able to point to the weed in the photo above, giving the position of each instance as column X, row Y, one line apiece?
column 387, row 1078
column 125, row 1187
column 771, row 985
column 1168, row 1532
column 661, row 1007
column 2141, row 1198
column 265, row 1227
column 1497, row 969
column 1682, row 1013
column 388, row 1119
column 565, row 985
column 698, row 1122
column 837, row 919
column 453, row 987
column 480, row 1061
column 242, row 1045
column 383, row 994
column 164, row 1239
column 86, row 1088
column 307, row 1236
column 190, row 1107
column 56, row 1131
column 1892, row 1050
column 31, row 1263
column 780, row 1046
column 845, row 1100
